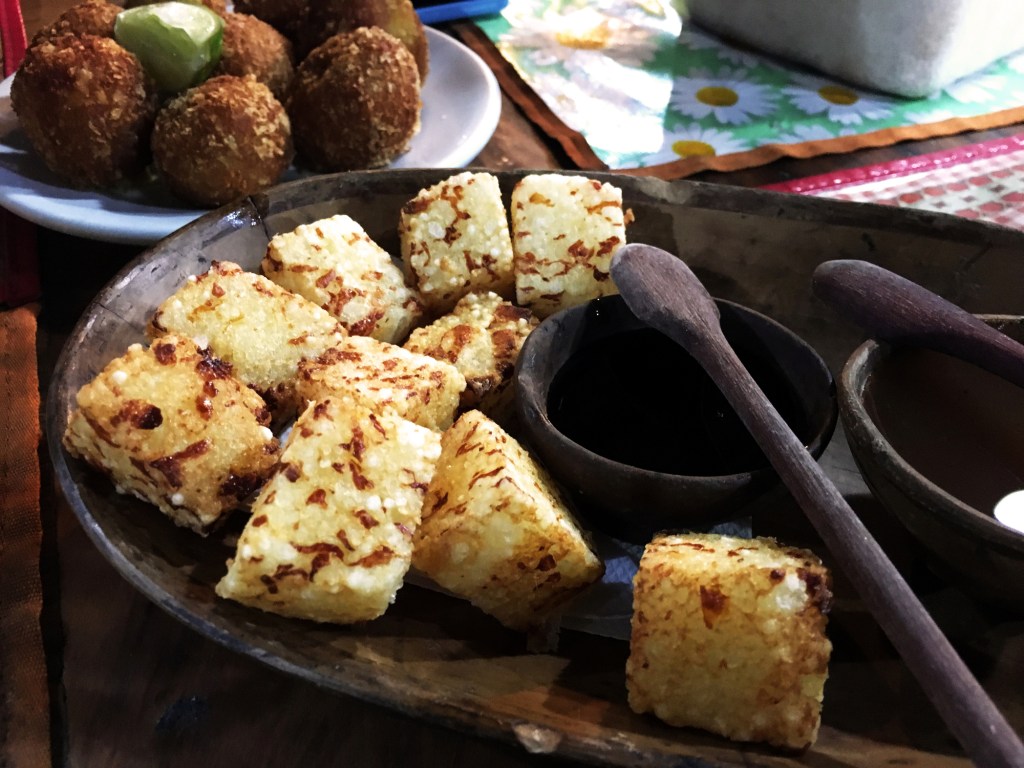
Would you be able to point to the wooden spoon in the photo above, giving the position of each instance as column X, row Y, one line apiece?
column 894, row 309
column 662, row 291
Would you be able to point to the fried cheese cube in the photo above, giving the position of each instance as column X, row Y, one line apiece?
column 258, row 327
column 335, row 264
column 565, row 230
column 481, row 337
column 330, row 536
column 728, row 635
column 419, row 388
column 495, row 532
column 170, row 425
column 455, row 239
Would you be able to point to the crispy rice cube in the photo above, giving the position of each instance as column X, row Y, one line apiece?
column 419, row 388
column 335, row 264
column 565, row 230
column 330, row 536
column 170, row 425
column 455, row 239
column 481, row 337
column 728, row 635
column 495, row 532
column 258, row 327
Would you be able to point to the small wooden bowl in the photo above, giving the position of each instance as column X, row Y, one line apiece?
column 921, row 457
column 632, row 503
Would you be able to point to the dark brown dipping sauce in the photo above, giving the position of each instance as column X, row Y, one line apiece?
column 638, row 398
column 959, row 426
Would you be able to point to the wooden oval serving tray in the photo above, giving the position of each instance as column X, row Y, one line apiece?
column 435, row 657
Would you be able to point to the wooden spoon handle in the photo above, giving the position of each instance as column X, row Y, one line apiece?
column 894, row 309
column 959, row 698
column 662, row 291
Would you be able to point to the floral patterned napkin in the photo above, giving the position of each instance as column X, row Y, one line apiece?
column 653, row 94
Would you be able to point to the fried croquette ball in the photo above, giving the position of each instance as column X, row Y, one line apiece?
column 87, row 108
column 396, row 17
column 253, row 47
column 225, row 138
column 286, row 16
column 220, row 7
column 355, row 101
column 93, row 17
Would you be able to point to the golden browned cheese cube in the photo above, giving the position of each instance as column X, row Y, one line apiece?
column 728, row 635
column 495, row 531
column 335, row 264
column 455, row 239
column 387, row 377
column 170, row 425
column 330, row 536
column 565, row 230
column 481, row 337
column 258, row 327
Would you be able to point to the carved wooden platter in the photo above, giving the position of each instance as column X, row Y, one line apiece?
column 435, row 657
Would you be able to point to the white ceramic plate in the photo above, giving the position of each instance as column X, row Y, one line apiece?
column 461, row 107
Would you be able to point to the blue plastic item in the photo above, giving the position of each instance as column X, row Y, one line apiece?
column 437, row 11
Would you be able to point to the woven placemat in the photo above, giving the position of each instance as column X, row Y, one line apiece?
column 983, row 181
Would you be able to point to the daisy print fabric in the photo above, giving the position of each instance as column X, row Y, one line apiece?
column 652, row 94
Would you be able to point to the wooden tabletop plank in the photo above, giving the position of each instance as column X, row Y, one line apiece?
column 132, row 686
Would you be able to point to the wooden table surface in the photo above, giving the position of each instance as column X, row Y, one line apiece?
column 130, row 685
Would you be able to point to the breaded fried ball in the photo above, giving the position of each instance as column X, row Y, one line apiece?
column 92, row 17
column 355, row 101
column 87, row 107
column 286, row 16
column 253, row 47
column 396, row 17
column 224, row 138
column 220, row 7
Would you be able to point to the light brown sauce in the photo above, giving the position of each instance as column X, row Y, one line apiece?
column 959, row 426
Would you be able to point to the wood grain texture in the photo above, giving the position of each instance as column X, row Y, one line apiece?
column 133, row 686
column 24, row 697
column 664, row 292
column 891, row 308
column 436, row 658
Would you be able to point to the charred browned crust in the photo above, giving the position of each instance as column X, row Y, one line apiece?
column 355, row 101
column 396, row 17
column 92, row 17
column 286, row 16
column 223, row 139
column 87, row 107
column 254, row 47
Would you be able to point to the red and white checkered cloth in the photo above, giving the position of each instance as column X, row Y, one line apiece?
column 981, row 181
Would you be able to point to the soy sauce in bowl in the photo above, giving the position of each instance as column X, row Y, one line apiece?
column 635, row 432
column 638, row 398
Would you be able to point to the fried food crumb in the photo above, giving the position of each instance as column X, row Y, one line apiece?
column 253, row 47
column 355, row 101
column 87, row 107
column 223, row 139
